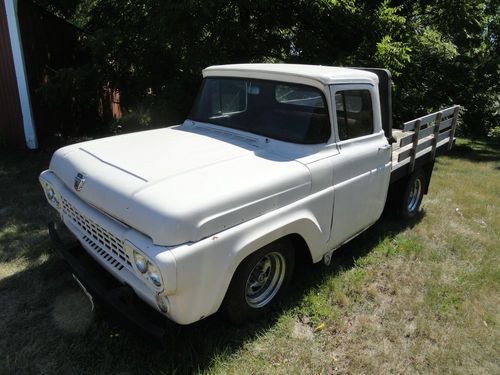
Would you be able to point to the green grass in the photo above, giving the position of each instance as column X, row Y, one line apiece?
column 419, row 297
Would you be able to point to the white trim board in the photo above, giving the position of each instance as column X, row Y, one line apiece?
column 20, row 69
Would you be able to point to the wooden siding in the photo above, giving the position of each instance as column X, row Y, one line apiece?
column 11, row 125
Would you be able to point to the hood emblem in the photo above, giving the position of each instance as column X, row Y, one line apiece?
column 79, row 181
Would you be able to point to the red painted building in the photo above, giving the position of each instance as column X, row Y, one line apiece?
column 34, row 44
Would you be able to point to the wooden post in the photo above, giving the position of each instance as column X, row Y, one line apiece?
column 453, row 126
column 415, row 144
column 436, row 135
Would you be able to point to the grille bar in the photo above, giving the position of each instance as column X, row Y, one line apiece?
column 105, row 244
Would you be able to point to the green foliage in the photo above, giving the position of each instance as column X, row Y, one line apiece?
column 440, row 53
column 392, row 50
column 494, row 134
column 76, row 89
column 392, row 55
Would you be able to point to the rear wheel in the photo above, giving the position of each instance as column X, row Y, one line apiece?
column 259, row 281
column 413, row 195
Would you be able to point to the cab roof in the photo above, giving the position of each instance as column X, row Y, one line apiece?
column 293, row 73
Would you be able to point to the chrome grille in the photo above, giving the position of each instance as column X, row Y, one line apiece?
column 105, row 244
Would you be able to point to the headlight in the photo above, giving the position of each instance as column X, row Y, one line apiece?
column 144, row 266
column 140, row 262
column 163, row 303
column 50, row 194
column 154, row 274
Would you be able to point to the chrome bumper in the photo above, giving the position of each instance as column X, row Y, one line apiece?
column 115, row 296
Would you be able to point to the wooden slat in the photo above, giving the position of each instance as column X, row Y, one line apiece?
column 424, row 145
column 406, row 140
column 445, row 124
column 449, row 111
column 444, row 135
column 437, row 126
column 453, row 127
column 410, row 125
column 403, row 155
column 415, row 143
column 427, row 131
column 421, row 146
column 409, row 138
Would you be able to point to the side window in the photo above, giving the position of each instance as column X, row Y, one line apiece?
column 354, row 113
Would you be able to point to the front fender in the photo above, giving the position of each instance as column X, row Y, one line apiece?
column 205, row 268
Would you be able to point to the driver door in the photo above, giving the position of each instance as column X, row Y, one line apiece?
column 361, row 170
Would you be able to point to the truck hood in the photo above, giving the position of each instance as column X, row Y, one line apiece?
column 184, row 183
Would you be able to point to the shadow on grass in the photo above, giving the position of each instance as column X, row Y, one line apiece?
column 475, row 151
column 48, row 327
column 24, row 211
column 346, row 256
column 76, row 340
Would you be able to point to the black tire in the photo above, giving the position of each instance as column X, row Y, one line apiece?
column 413, row 194
column 259, row 281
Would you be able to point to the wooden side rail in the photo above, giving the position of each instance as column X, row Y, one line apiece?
column 425, row 133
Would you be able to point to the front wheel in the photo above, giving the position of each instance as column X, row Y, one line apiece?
column 413, row 195
column 259, row 281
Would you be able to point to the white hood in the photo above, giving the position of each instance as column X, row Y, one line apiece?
column 184, row 183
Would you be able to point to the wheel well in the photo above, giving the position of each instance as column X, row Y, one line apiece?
column 397, row 188
column 302, row 252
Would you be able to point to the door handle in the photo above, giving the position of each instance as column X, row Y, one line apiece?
column 386, row 147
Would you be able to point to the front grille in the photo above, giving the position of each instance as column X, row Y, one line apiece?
column 102, row 242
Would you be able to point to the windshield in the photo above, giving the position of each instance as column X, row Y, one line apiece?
column 279, row 110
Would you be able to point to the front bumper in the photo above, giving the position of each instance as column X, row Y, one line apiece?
column 115, row 296
column 110, row 243
column 195, row 275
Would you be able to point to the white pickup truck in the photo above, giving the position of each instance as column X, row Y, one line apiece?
column 275, row 162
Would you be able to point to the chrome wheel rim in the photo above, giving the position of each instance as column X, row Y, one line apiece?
column 265, row 280
column 414, row 196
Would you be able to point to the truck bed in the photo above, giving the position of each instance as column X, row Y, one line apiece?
column 423, row 137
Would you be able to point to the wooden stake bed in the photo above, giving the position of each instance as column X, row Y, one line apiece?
column 422, row 136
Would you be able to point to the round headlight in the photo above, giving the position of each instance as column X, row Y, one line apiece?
column 154, row 274
column 50, row 193
column 140, row 262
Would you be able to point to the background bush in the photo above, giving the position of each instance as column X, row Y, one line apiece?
column 439, row 52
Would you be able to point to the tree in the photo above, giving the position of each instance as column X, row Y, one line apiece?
column 440, row 52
